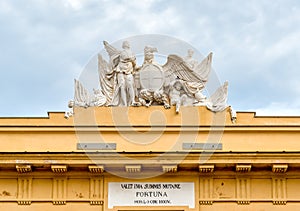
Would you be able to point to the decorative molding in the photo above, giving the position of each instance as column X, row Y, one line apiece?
column 206, row 202
column 279, row 202
column 96, row 169
column 243, row 191
column 279, row 191
column 24, row 202
column 96, row 202
column 133, row 168
column 206, row 190
column 243, row 167
column 24, row 191
column 243, row 202
column 59, row 191
column 59, row 202
column 206, row 168
column 96, row 190
column 23, row 168
column 279, row 168
column 169, row 168
column 59, row 168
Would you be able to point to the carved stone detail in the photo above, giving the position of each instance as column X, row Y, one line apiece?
column 243, row 202
column 96, row 202
column 243, row 191
column 208, row 202
column 23, row 168
column 59, row 202
column 59, row 191
column 279, row 202
column 123, row 82
column 279, row 168
column 24, row 191
column 133, row 168
column 96, row 169
column 206, row 191
column 279, row 191
column 243, row 167
column 169, row 168
column 25, row 202
column 206, row 168
column 96, row 191
column 59, row 168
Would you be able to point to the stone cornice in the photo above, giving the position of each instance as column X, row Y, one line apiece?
column 133, row 168
column 96, row 168
column 59, row 168
column 206, row 168
column 57, row 118
column 23, row 168
column 169, row 162
column 169, row 168
column 184, row 157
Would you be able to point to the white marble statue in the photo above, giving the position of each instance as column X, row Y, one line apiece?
column 123, row 65
column 98, row 98
column 218, row 101
column 178, row 96
column 82, row 96
column 194, row 80
column 84, row 99
column 158, row 97
column 151, row 81
column 179, row 82
column 190, row 60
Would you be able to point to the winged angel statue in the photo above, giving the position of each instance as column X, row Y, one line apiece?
column 179, row 82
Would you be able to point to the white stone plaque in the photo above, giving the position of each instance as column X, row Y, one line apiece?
column 151, row 194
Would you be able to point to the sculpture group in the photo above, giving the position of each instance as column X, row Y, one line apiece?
column 178, row 82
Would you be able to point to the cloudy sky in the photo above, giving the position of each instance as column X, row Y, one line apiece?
column 44, row 45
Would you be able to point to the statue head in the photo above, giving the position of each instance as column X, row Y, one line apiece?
column 149, row 52
column 71, row 104
column 190, row 53
column 177, row 85
column 125, row 45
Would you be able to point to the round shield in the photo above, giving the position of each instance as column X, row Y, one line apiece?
column 151, row 77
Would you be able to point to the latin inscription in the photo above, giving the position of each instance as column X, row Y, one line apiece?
column 151, row 194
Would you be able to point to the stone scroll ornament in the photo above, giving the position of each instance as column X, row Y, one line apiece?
column 178, row 82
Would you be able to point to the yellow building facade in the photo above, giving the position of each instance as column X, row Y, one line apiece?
column 138, row 158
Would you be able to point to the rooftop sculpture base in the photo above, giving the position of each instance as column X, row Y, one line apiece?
column 142, row 129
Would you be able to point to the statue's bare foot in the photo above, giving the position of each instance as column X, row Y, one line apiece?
column 167, row 106
column 136, row 104
column 177, row 108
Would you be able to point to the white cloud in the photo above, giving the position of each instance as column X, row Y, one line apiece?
column 5, row 7
column 285, row 46
column 279, row 109
column 74, row 4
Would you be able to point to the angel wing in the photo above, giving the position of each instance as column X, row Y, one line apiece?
column 106, row 78
column 114, row 54
column 218, row 101
column 81, row 96
column 203, row 68
column 111, row 50
column 177, row 67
